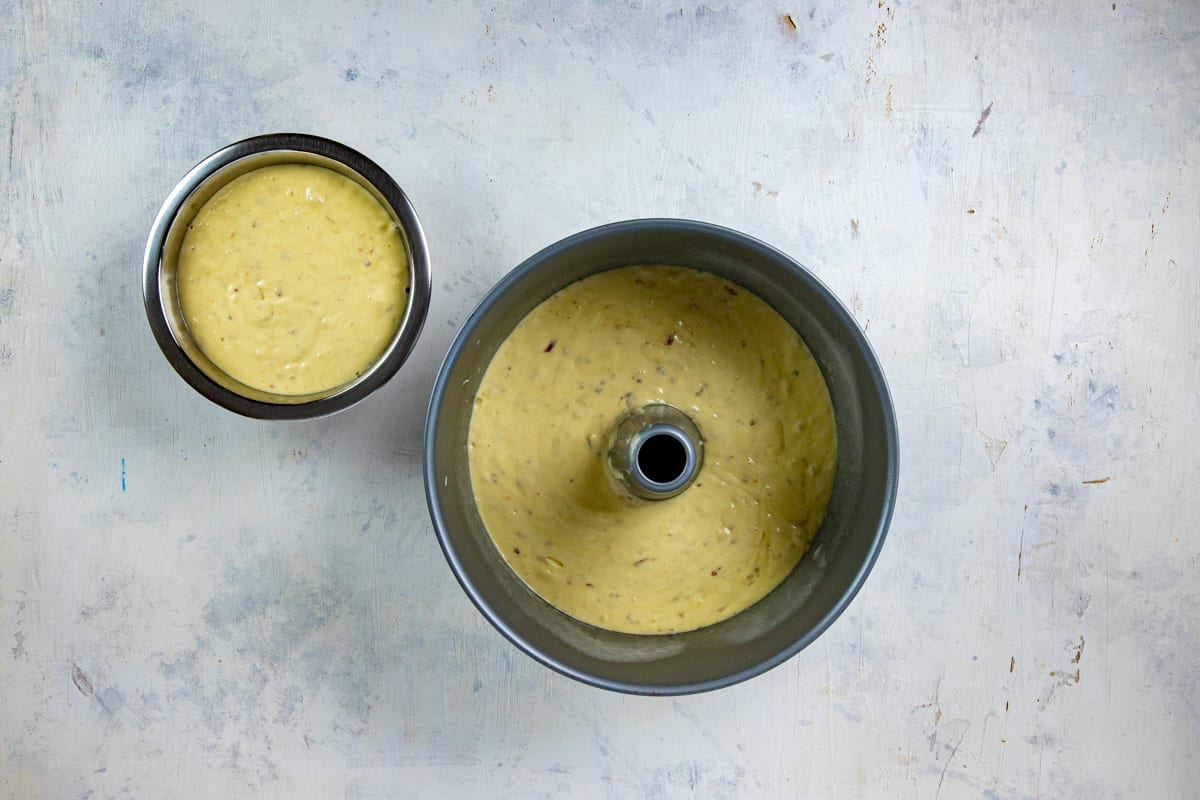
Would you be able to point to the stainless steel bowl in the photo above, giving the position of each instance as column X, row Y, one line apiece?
column 162, row 250
column 814, row 594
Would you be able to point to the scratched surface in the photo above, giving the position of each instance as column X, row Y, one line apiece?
column 197, row 605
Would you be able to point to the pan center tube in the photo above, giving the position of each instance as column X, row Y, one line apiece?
column 656, row 451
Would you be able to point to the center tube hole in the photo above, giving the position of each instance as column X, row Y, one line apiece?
column 662, row 458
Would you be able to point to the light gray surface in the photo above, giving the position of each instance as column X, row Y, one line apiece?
column 195, row 605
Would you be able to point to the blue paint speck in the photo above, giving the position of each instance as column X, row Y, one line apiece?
column 351, row 74
column 122, row 475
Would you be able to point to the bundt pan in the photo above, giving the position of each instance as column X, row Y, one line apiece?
column 809, row 599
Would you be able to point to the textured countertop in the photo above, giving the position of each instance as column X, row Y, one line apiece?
column 1007, row 196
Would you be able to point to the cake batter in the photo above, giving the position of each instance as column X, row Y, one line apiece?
column 293, row 279
column 575, row 366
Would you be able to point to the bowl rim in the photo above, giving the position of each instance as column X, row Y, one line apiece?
column 401, row 344
column 878, row 385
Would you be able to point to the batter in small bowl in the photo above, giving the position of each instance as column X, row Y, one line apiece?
column 579, row 363
column 293, row 279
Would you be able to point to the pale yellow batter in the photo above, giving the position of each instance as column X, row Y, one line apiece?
column 572, row 369
column 293, row 279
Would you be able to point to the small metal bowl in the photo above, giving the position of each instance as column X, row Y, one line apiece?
column 160, row 292
column 797, row 611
